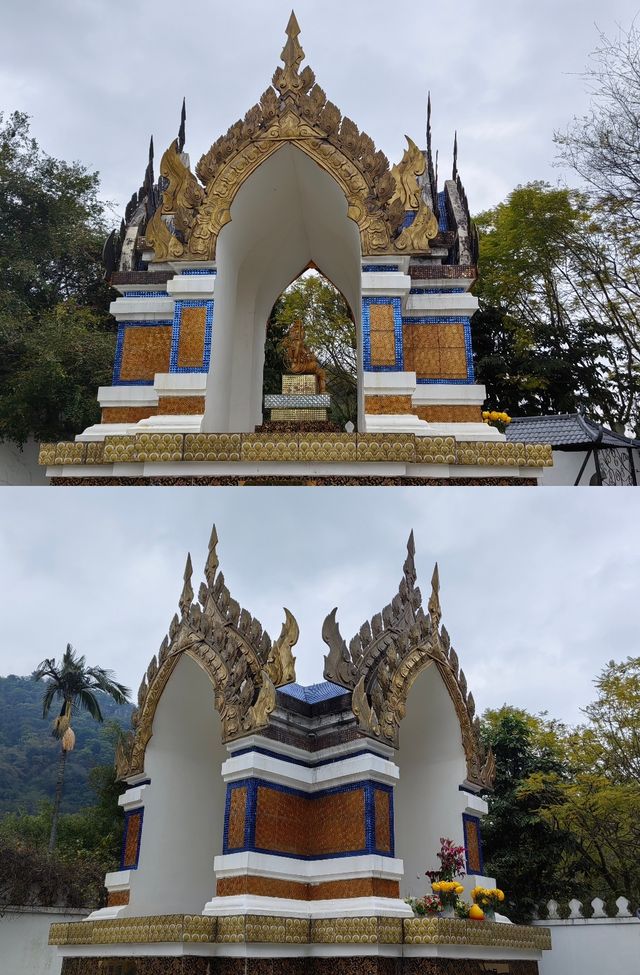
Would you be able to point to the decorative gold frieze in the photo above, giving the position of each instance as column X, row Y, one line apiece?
column 385, row 658
column 279, row 930
column 244, row 666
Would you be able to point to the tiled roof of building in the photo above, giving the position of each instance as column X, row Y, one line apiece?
column 566, row 430
column 315, row 693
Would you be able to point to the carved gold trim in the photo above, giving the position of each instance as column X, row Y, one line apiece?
column 383, row 661
column 294, row 111
column 244, row 666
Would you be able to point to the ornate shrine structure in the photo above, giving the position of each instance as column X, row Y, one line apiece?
column 199, row 262
column 285, row 825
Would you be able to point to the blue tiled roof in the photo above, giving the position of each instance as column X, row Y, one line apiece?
column 314, row 694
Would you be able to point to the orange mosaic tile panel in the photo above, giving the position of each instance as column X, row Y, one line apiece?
column 237, row 815
column 132, row 840
column 362, row 887
column 193, row 325
column 435, row 351
column 449, row 414
column 302, row 826
column 386, row 405
column 146, row 351
column 118, row 898
column 472, row 843
column 382, row 333
column 338, row 824
column 126, row 414
column 181, row 405
column 291, row 890
column 383, row 821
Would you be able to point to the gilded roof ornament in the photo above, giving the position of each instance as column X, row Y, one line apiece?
column 406, row 173
column 288, row 80
column 243, row 664
column 381, row 664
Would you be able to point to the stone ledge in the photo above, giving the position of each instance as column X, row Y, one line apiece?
column 301, row 448
column 254, row 929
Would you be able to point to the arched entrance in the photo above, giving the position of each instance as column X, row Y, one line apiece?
column 184, row 801
column 288, row 213
column 432, row 768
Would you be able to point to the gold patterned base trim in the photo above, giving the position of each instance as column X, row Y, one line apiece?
column 295, row 448
column 252, row 929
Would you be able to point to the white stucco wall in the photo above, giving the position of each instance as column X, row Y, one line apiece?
column 20, row 466
column 287, row 214
column 24, row 935
column 593, row 947
column 184, row 803
column 428, row 802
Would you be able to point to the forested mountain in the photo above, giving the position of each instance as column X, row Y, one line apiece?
column 29, row 754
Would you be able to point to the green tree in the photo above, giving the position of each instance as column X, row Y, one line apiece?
column 557, row 329
column 525, row 852
column 599, row 804
column 330, row 333
column 56, row 336
column 74, row 685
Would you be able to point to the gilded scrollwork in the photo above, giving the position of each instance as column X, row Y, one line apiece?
column 382, row 662
column 295, row 111
column 243, row 664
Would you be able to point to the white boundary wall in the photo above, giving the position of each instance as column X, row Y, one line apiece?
column 24, row 935
column 20, row 466
column 597, row 945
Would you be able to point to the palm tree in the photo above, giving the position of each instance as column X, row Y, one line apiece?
column 74, row 685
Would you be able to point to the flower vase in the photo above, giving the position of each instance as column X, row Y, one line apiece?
column 448, row 911
column 489, row 913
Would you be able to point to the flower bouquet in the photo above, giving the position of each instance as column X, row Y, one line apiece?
column 487, row 900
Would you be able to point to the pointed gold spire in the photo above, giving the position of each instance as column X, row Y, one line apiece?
column 288, row 79
column 435, row 611
column 211, row 567
column 186, row 599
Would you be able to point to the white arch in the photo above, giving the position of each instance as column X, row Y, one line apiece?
column 184, row 804
column 428, row 804
column 289, row 213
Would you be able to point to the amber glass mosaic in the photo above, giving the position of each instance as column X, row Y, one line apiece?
column 146, row 351
column 314, row 827
column 383, row 336
column 291, row 890
column 193, row 325
column 385, row 405
column 435, row 351
column 132, row 840
column 449, row 414
column 383, row 821
column 181, row 405
column 126, row 414
column 237, row 815
column 472, row 844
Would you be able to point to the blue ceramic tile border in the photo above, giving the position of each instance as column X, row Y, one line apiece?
column 466, row 818
column 208, row 336
column 396, row 304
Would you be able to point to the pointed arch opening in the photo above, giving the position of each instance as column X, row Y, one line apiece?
column 184, row 800
column 432, row 766
column 287, row 215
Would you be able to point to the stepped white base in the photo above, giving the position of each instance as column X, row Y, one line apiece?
column 247, row 904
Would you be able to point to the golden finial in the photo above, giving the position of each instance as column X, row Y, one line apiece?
column 187, row 590
column 288, row 79
column 435, row 611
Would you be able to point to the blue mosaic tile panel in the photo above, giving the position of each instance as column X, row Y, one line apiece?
column 443, row 217
column 208, row 339
column 145, row 294
column 379, row 268
column 199, row 272
column 396, row 304
column 437, row 291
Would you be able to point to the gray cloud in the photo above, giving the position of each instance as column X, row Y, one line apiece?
column 98, row 77
column 538, row 587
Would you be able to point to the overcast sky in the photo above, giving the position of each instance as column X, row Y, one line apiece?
column 98, row 76
column 539, row 588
